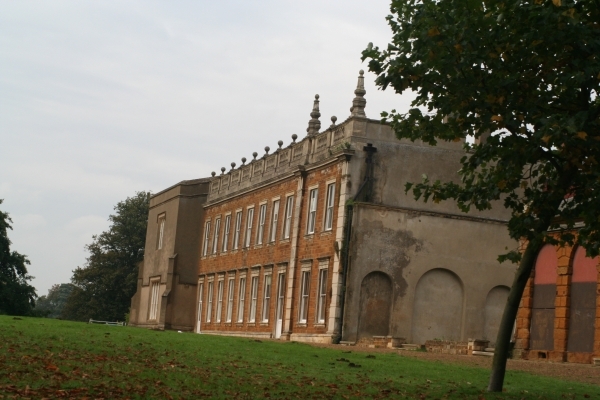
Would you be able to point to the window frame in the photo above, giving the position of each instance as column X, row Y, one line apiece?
column 329, row 207
column 230, row 296
column 219, row 309
column 262, row 216
column 311, row 220
column 238, row 229
column 226, row 231
column 215, row 244
column 289, row 213
column 274, row 221
column 206, row 238
column 209, row 301
column 241, row 299
column 321, row 310
column 253, row 298
column 249, row 223
column 304, row 296
column 266, row 303
column 161, row 220
column 153, row 313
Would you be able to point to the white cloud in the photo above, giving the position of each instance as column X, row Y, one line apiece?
column 99, row 100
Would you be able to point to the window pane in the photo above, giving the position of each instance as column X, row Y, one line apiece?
column 267, row 299
column 230, row 300
column 219, row 301
column 274, row 220
column 322, row 296
column 206, row 237
column 249, row 228
column 261, row 223
column 329, row 206
column 226, row 232
column 288, row 217
column 216, row 236
column 254, row 294
column 210, row 302
column 241, row 300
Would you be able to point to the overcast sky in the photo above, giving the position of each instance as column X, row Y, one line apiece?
column 99, row 100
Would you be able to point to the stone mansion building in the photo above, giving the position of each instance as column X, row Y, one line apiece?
column 317, row 241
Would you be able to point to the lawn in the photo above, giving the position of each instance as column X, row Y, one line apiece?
column 50, row 358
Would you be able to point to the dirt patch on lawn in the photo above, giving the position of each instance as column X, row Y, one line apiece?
column 585, row 373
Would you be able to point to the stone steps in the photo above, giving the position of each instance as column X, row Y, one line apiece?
column 410, row 347
column 483, row 353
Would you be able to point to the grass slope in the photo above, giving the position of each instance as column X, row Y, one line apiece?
column 49, row 358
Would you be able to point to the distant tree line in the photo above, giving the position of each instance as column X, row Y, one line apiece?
column 103, row 287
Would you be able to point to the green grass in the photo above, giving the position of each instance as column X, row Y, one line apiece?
column 50, row 358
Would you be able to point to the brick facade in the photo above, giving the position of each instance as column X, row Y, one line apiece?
column 299, row 252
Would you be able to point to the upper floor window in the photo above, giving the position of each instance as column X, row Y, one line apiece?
column 274, row 219
column 262, row 211
column 287, row 226
column 216, row 236
column 312, row 211
column 249, row 221
column 226, row 232
column 161, row 231
column 206, row 238
column 329, row 206
column 238, row 229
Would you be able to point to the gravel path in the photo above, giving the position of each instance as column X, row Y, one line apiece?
column 585, row 373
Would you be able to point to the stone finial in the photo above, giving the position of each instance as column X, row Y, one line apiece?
column 243, row 160
column 223, row 170
column 280, row 143
column 254, row 155
column 314, row 125
column 294, row 137
column 333, row 119
column 267, row 148
column 213, row 174
column 359, row 103
column 232, row 165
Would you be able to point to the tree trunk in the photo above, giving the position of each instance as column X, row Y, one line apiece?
column 508, row 317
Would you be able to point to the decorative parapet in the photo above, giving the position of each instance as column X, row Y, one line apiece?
column 283, row 162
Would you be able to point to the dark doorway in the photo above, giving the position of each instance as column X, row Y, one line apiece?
column 583, row 303
column 375, row 305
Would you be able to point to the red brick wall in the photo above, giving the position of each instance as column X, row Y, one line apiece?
column 561, row 319
column 312, row 247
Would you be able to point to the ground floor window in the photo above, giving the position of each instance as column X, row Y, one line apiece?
column 322, row 296
column 229, row 300
column 209, row 301
column 241, row 300
column 219, row 301
column 253, row 298
column 154, row 299
column 304, row 293
column 266, row 299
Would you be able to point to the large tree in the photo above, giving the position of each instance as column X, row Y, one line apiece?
column 17, row 296
column 105, row 285
column 527, row 71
